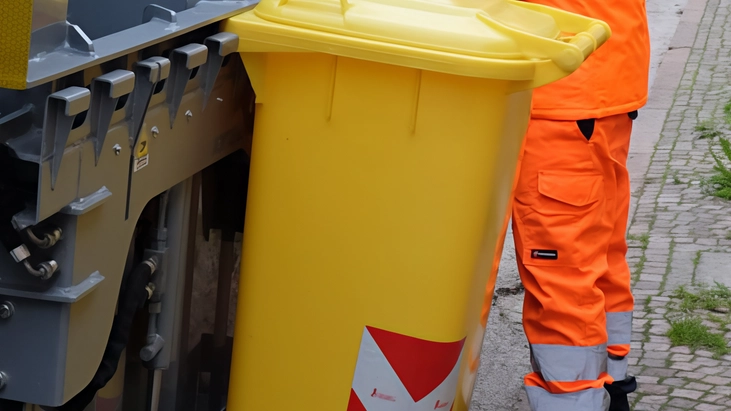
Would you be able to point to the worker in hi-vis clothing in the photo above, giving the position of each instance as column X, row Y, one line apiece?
column 570, row 217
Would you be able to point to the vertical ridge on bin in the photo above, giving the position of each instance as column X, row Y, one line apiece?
column 415, row 115
column 331, row 92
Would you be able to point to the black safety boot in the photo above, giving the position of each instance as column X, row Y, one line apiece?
column 618, row 391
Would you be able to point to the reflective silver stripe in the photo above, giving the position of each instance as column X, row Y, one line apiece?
column 567, row 363
column 619, row 328
column 594, row 399
column 617, row 368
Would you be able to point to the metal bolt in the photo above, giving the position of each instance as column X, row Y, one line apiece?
column 6, row 310
column 3, row 380
column 117, row 149
column 189, row 114
column 155, row 131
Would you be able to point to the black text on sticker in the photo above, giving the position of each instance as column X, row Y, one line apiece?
column 544, row 254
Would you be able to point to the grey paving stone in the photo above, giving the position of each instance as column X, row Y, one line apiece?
column 674, row 382
column 691, row 375
column 716, row 380
column 683, row 403
column 656, row 278
column 659, row 339
column 685, row 366
column 659, row 372
column 658, row 347
column 650, row 362
column 714, row 370
column 712, row 398
column 654, row 389
column 714, row 267
column 698, row 387
column 681, row 349
column 647, row 285
column 647, row 406
column 681, row 357
column 722, row 390
column 653, row 399
column 710, row 407
column 645, row 379
column 707, row 362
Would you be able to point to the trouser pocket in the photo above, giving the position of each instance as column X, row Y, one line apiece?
column 561, row 225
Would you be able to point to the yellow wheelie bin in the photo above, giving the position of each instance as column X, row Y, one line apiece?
column 386, row 139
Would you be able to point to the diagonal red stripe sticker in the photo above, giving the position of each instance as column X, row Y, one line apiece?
column 354, row 404
column 421, row 365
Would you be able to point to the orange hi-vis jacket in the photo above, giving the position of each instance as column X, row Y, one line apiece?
column 614, row 79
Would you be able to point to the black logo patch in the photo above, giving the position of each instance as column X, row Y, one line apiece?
column 544, row 254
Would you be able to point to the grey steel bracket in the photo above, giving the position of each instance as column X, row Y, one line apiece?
column 24, row 219
column 147, row 74
column 57, row 62
column 219, row 46
column 64, row 295
column 153, row 11
column 58, row 36
column 61, row 109
column 78, row 40
column 16, row 123
column 85, row 204
column 106, row 90
column 184, row 60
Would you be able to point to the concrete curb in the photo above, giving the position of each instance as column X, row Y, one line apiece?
column 650, row 123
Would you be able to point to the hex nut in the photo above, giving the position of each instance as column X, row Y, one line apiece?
column 6, row 310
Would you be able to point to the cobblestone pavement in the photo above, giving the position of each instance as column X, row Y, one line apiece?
column 679, row 235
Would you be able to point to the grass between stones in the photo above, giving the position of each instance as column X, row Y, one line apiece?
column 707, row 129
column 644, row 241
column 692, row 333
column 694, row 325
column 719, row 184
column 717, row 298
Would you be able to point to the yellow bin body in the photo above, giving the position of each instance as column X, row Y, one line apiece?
column 380, row 179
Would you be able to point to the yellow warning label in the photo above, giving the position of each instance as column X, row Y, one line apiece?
column 142, row 145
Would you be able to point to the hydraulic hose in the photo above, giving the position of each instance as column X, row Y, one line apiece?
column 131, row 299
column 49, row 239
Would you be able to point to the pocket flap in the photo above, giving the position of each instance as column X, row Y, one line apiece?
column 571, row 188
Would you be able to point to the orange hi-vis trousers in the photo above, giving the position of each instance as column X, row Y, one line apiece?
column 569, row 219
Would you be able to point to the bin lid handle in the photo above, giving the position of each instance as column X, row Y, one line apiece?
column 586, row 35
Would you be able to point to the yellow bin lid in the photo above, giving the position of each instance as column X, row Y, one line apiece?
column 499, row 39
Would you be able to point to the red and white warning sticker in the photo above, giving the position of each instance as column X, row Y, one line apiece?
column 396, row 372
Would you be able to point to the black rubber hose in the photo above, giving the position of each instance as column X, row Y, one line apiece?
column 131, row 300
